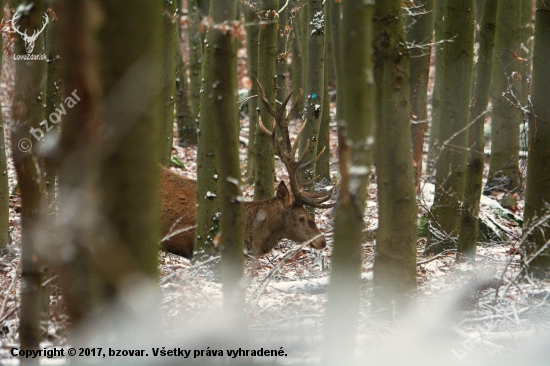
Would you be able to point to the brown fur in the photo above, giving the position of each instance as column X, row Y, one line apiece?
column 266, row 222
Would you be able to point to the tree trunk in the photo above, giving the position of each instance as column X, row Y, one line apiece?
column 314, row 98
column 467, row 239
column 265, row 155
column 537, row 194
column 54, row 98
column 281, row 67
column 187, row 125
column 195, row 57
column 169, row 80
column 4, row 186
column 129, row 174
column 334, row 10
column 439, row 38
column 30, row 86
column 504, row 169
column 395, row 263
column 223, row 66
column 420, row 32
column 322, row 168
column 208, row 204
column 299, row 54
column 355, row 148
column 78, row 165
column 252, row 32
column 456, row 91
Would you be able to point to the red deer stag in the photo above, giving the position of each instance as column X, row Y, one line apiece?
column 267, row 221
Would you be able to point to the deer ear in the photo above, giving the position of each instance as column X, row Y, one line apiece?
column 283, row 194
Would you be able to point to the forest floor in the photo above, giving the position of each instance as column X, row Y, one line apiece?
column 460, row 313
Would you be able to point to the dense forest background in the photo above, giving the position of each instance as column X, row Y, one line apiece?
column 334, row 182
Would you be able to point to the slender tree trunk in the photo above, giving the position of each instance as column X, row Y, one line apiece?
column 223, row 67
column 439, row 38
column 355, row 148
column 456, row 92
column 195, row 57
column 4, row 184
column 169, row 80
column 334, row 31
column 265, row 155
column 420, row 34
column 208, row 204
column 187, row 125
column 30, row 86
column 314, row 98
column 467, row 239
column 54, row 98
column 322, row 168
column 281, row 66
column 506, row 88
column 299, row 53
column 537, row 194
column 526, row 52
column 252, row 33
column 395, row 263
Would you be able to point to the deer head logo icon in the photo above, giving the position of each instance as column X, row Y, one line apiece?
column 29, row 40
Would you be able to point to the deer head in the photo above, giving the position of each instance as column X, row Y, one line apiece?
column 29, row 40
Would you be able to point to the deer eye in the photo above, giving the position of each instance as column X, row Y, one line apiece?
column 302, row 219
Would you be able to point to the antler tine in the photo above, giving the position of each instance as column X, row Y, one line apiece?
column 312, row 161
column 264, row 129
column 303, row 155
column 316, row 199
column 268, row 106
column 285, row 102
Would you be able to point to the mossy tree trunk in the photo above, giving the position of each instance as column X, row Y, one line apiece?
column 208, row 204
column 467, row 239
column 265, row 155
column 355, row 148
column 187, row 125
column 506, row 88
column 4, row 184
column 322, row 167
column 456, row 91
column 282, row 52
column 526, row 53
column 54, row 98
column 334, row 14
column 299, row 52
column 195, row 57
column 169, row 80
column 27, row 113
column 420, row 33
column 252, row 33
column 537, row 194
column 315, row 79
column 439, row 37
column 223, row 66
column 395, row 262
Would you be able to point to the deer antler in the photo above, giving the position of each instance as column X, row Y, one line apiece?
column 288, row 153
